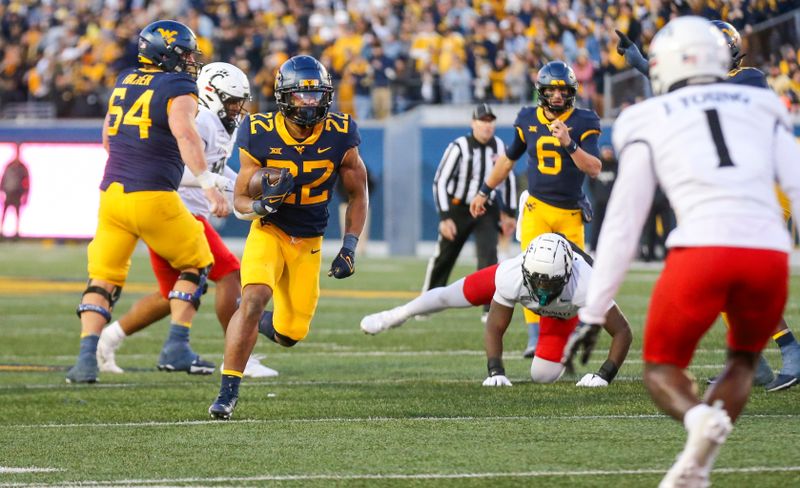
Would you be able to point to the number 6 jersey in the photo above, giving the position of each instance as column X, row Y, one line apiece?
column 314, row 162
column 143, row 153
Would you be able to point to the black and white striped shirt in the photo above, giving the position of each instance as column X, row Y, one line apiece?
column 464, row 167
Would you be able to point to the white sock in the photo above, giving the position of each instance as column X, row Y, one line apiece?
column 438, row 299
column 694, row 414
column 115, row 332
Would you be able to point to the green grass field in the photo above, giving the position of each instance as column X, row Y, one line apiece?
column 402, row 408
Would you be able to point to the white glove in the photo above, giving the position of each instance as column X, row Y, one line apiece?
column 497, row 380
column 223, row 183
column 592, row 380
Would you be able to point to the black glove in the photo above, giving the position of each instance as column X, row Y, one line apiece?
column 624, row 42
column 344, row 264
column 585, row 336
column 273, row 195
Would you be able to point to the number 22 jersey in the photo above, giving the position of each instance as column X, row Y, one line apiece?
column 314, row 162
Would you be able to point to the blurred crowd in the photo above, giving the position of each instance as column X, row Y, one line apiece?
column 386, row 56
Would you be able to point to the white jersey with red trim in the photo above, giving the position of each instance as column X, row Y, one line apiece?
column 218, row 148
column 717, row 151
column 510, row 290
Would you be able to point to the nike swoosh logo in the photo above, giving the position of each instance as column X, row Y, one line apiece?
column 274, row 199
column 314, row 251
column 321, row 150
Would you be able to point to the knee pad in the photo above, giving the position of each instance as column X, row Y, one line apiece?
column 200, row 279
column 111, row 298
column 544, row 371
column 283, row 340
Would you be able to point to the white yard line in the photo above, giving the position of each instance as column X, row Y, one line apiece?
column 7, row 470
column 336, row 420
column 400, row 476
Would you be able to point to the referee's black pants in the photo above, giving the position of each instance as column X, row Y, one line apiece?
column 484, row 228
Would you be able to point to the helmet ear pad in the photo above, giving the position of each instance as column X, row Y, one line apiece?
column 303, row 79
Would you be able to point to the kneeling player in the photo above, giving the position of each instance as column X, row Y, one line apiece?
column 550, row 278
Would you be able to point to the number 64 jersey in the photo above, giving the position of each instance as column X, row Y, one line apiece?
column 717, row 151
column 314, row 162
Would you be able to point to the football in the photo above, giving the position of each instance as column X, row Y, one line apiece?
column 254, row 187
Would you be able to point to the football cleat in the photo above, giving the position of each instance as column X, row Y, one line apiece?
column 762, row 377
column 381, row 321
column 106, row 354
column 781, row 382
column 693, row 466
column 84, row 371
column 222, row 408
column 178, row 356
column 254, row 368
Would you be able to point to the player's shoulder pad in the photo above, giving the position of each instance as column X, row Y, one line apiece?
column 748, row 76
column 244, row 130
column 587, row 118
column 177, row 84
column 341, row 123
column 125, row 72
column 525, row 116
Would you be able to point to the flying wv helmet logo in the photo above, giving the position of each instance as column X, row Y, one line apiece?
column 168, row 35
column 309, row 83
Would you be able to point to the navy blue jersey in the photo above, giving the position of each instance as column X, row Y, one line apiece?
column 143, row 153
column 553, row 176
column 314, row 162
column 748, row 76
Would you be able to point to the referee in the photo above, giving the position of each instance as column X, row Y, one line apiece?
column 465, row 164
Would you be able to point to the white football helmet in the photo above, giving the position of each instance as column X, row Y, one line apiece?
column 223, row 88
column 687, row 48
column 547, row 267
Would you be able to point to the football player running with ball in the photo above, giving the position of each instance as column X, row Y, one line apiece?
column 716, row 149
column 550, row 278
column 282, row 257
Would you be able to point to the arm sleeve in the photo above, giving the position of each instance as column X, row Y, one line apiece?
column 636, row 59
column 622, row 226
column 448, row 167
column 591, row 135
column 518, row 145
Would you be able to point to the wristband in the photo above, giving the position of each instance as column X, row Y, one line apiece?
column 572, row 146
column 206, row 180
column 349, row 242
column 259, row 208
column 485, row 190
column 495, row 367
column 608, row 371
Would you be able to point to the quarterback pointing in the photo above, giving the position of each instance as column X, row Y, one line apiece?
column 717, row 150
column 550, row 278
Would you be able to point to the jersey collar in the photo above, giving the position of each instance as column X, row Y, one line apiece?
column 280, row 126
column 545, row 121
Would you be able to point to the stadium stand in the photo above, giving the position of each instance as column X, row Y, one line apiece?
column 60, row 58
